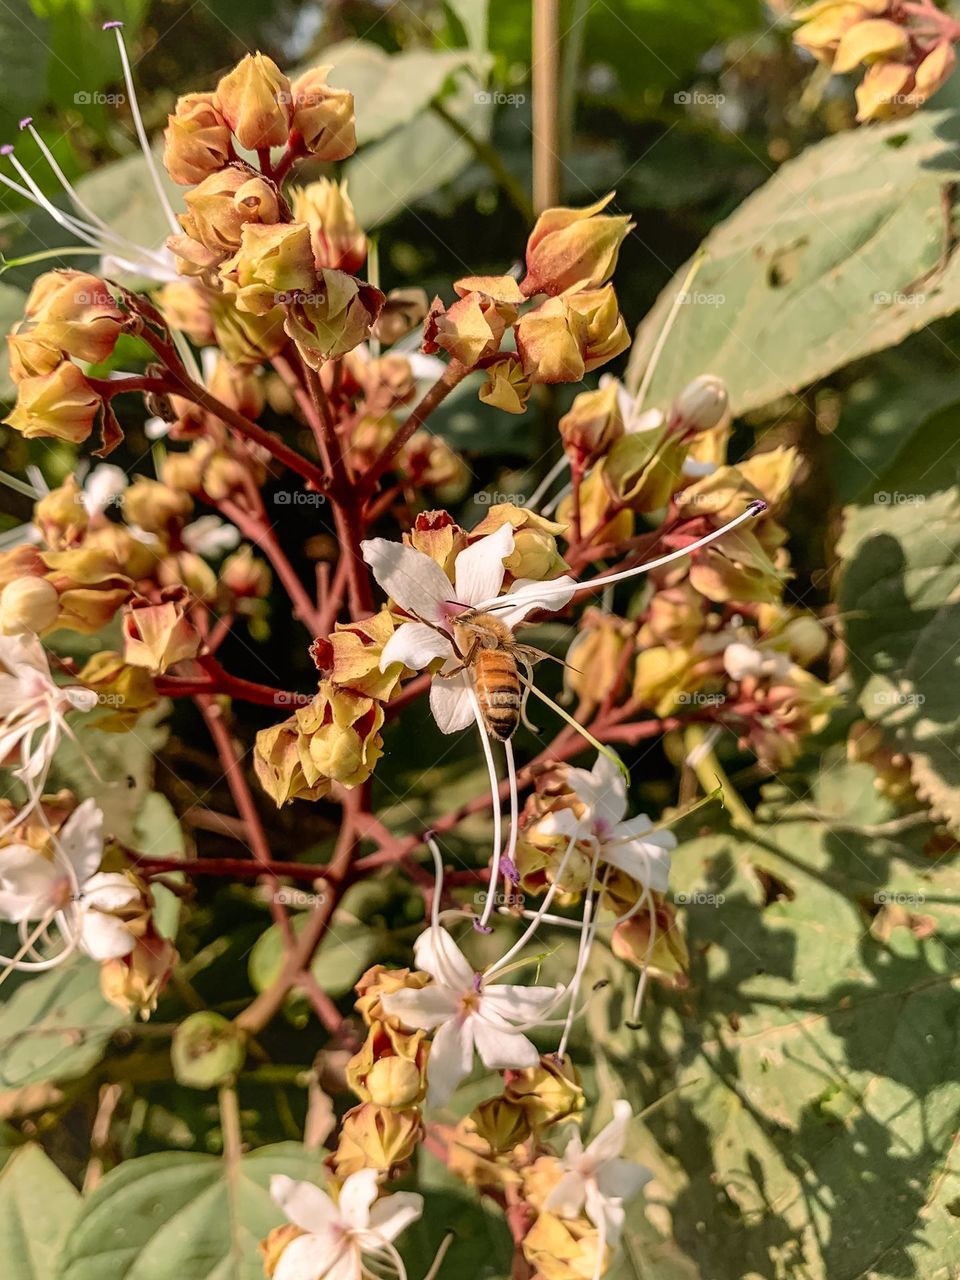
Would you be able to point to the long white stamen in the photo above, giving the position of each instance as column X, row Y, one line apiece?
column 447, row 977
column 93, row 219
column 539, row 915
column 33, row 193
column 505, row 602
column 495, row 798
column 541, row 490
column 557, row 498
column 17, row 962
column 665, row 333
column 583, row 955
column 141, row 132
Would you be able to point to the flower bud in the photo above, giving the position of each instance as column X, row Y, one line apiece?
column 61, row 516
column 390, row 1069
column 158, row 635
column 471, row 329
column 155, row 507
column 335, row 234
column 339, row 736
column 564, row 1248
column 246, row 576
column 373, row 1137
column 535, row 553
column 595, row 658
column 591, row 425
column 935, row 70
column 28, row 604
column 501, row 1123
column 603, row 332
column 220, row 207
column 207, row 1050
column 886, row 92
column 256, row 101
column 507, row 386
column 245, row 338
column 675, row 616
column 826, row 23
column 61, row 404
column 550, row 342
column 276, row 762
column 186, row 307
column 379, row 981
column 643, row 470
column 324, row 116
column 30, row 355
column 661, row 675
column 271, row 261
column 76, row 313
column 700, row 406
column 335, row 319
column 548, row 1093
column 572, row 249
column 665, row 955
column 196, row 139
column 403, row 310
column 133, row 983
column 600, row 519
column 124, row 692
column 874, row 40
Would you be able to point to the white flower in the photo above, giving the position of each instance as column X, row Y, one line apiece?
column 419, row 587
column 33, row 711
column 741, row 660
column 102, row 487
column 35, row 887
column 338, row 1235
column 598, row 1179
column 632, row 845
column 468, row 1014
column 210, row 536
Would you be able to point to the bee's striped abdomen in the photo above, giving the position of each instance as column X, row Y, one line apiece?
column 498, row 691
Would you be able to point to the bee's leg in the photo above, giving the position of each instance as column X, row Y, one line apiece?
column 465, row 664
column 528, row 681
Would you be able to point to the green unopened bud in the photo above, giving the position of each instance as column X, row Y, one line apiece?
column 700, row 405
column 207, row 1050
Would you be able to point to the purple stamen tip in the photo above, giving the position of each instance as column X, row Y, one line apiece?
column 477, row 982
column 26, row 122
column 111, row 26
column 757, row 506
column 6, row 150
column 509, row 869
column 482, row 928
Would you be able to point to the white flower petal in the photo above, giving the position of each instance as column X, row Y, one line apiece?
column 609, row 790
column 415, row 645
column 644, row 860
column 313, row 1256
column 608, row 1143
column 559, row 822
column 450, row 703
column 307, row 1206
column 609, row 1212
column 450, row 1061
column 527, row 595
column 499, row 1050
column 518, row 1004
column 436, row 953
column 81, row 839
column 393, row 1214
column 210, row 536
column 357, row 1194
column 414, row 581
column 479, row 569
column 424, row 1009
column 29, row 883
column 567, row 1196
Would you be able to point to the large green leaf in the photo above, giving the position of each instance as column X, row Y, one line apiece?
column 184, row 1215
column 901, row 591
column 837, row 256
column 348, row 948
column 37, row 1207
column 55, row 1026
column 812, row 1131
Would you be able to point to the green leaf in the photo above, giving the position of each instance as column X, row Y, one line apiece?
column 12, row 302
column 26, row 57
column 811, row 1131
column 179, row 1214
column 37, row 1208
column 837, row 256
column 348, row 948
column 392, row 89
column 55, row 1026
column 901, row 590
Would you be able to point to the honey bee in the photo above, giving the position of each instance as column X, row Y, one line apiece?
column 493, row 657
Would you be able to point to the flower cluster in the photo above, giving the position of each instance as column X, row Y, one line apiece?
column 908, row 50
